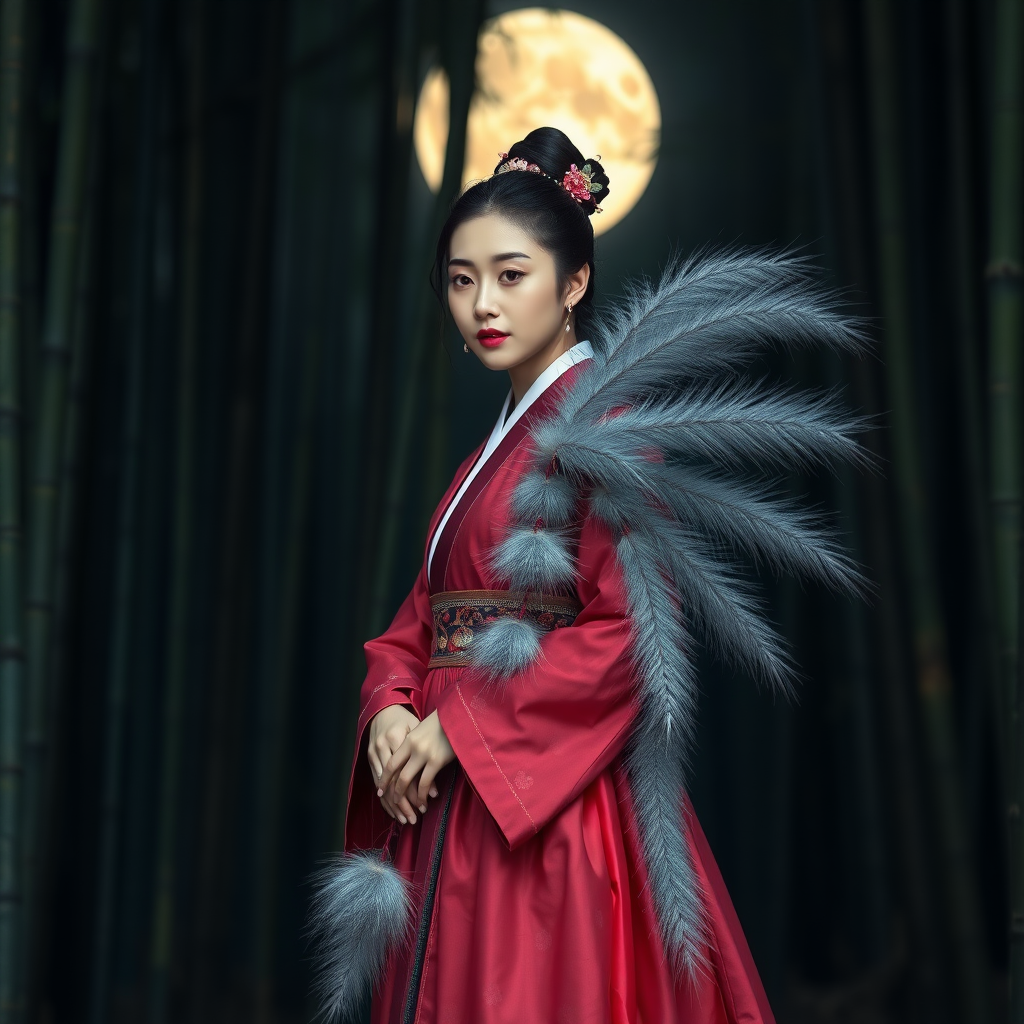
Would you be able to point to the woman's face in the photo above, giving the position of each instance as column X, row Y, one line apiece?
column 504, row 297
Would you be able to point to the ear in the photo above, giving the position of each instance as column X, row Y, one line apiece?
column 576, row 286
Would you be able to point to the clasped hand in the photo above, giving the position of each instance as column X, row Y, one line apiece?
column 405, row 756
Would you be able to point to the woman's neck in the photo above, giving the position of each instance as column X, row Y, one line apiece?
column 524, row 375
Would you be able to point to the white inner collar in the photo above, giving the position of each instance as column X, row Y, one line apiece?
column 580, row 351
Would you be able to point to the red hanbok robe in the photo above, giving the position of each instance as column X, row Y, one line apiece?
column 529, row 883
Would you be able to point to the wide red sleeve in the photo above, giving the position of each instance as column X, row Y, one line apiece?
column 396, row 663
column 531, row 745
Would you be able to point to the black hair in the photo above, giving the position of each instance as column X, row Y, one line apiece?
column 537, row 203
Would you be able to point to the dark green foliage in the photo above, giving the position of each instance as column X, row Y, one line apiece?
column 12, row 650
column 1005, row 273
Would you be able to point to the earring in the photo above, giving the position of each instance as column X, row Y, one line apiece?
column 567, row 315
column 465, row 347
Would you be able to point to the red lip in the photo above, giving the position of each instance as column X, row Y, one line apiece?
column 490, row 338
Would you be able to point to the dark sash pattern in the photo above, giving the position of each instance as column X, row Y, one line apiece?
column 458, row 614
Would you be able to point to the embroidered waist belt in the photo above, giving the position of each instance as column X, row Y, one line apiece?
column 458, row 614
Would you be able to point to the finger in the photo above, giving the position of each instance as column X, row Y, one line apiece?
column 413, row 794
column 405, row 777
column 375, row 766
column 394, row 765
column 426, row 786
column 390, row 802
column 406, row 808
column 403, row 810
column 381, row 750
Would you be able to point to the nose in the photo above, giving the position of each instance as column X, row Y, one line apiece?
column 486, row 301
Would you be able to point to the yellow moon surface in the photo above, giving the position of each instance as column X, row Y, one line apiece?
column 537, row 67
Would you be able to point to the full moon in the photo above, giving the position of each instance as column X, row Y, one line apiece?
column 538, row 67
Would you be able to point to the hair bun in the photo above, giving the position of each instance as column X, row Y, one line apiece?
column 553, row 152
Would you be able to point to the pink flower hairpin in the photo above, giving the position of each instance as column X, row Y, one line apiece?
column 579, row 183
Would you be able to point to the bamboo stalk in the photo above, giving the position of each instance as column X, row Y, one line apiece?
column 337, row 461
column 904, row 766
column 51, row 409
column 67, row 561
column 1016, row 826
column 934, row 681
column 179, row 646
column 391, row 216
column 458, row 31
column 31, row 304
column 123, row 610
column 147, row 656
column 459, row 52
column 306, row 190
column 376, row 415
column 984, row 668
column 225, row 727
column 871, row 858
column 275, row 710
column 396, row 64
column 857, row 664
column 1005, row 275
column 916, row 895
column 987, row 711
column 283, row 504
column 69, row 500
column 12, row 637
column 343, row 415
column 140, row 813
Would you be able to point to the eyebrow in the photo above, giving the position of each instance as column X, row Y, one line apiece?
column 500, row 258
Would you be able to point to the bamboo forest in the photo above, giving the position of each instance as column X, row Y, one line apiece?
column 229, row 405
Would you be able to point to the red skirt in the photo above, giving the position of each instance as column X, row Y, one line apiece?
column 559, row 930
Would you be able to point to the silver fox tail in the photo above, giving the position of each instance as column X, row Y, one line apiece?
column 669, row 444
column 360, row 913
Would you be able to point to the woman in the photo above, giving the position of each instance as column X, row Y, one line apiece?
column 524, row 719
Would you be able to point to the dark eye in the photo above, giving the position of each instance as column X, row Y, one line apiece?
column 459, row 279
column 512, row 275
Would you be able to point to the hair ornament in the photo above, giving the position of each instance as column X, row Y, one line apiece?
column 518, row 164
column 578, row 182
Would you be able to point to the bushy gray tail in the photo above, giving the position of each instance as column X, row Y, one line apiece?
column 674, row 451
column 360, row 913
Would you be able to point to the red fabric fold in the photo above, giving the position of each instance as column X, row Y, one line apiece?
column 533, row 744
column 542, row 912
